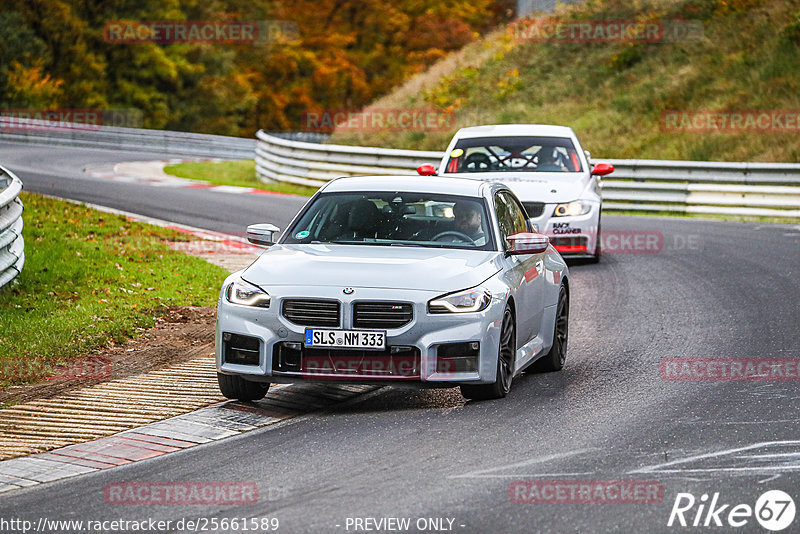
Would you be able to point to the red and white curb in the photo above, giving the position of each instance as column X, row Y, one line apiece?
column 152, row 173
column 206, row 425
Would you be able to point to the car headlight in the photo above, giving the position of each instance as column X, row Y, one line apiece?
column 571, row 209
column 247, row 294
column 469, row 300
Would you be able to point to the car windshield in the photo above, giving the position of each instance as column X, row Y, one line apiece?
column 514, row 154
column 394, row 219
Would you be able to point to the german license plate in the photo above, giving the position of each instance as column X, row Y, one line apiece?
column 345, row 339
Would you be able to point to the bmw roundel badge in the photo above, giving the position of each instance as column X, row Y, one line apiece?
column 348, row 291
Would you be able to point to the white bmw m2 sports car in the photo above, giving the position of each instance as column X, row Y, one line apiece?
column 547, row 169
column 396, row 280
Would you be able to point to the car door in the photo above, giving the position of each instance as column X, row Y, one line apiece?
column 525, row 272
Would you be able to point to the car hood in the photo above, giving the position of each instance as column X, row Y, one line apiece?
column 430, row 269
column 548, row 187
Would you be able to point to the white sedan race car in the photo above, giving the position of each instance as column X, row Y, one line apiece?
column 547, row 169
column 396, row 280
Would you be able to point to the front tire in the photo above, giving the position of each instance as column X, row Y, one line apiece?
column 554, row 360
column 505, row 365
column 236, row 387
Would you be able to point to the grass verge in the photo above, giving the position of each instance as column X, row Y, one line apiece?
column 236, row 172
column 90, row 279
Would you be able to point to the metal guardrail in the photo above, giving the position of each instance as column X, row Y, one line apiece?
column 689, row 187
column 755, row 189
column 282, row 160
column 12, row 246
column 127, row 139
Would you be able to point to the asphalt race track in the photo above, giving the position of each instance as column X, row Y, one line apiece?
column 710, row 290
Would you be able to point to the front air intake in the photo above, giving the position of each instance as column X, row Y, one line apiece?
column 308, row 312
column 241, row 350
column 382, row 315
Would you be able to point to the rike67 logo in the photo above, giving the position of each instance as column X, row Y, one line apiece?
column 774, row 510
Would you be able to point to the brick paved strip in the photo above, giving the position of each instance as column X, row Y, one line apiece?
column 188, row 428
column 14, row 481
column 75, row 461
column 157, row 440
column 41, row 470
column 219, row 423
column 87, row 455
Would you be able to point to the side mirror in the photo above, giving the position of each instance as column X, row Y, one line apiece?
column 601, row 169
column 527, row 243
column 262, row 234
column 426, row 170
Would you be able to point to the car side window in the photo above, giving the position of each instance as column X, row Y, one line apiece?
column 521, row 222
column 510, row 216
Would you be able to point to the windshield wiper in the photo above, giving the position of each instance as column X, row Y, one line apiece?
column 391, row 244
column 372, row 243
column 317, row 242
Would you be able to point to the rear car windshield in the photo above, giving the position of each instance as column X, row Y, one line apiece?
column 514, row 154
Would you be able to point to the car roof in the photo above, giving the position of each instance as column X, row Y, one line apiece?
column 411, row 183
column 497, row 130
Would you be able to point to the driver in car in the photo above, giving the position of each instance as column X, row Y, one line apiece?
column 469, row 221
column 548, row 162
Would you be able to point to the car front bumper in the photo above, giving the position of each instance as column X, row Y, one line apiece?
column 411, row 356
